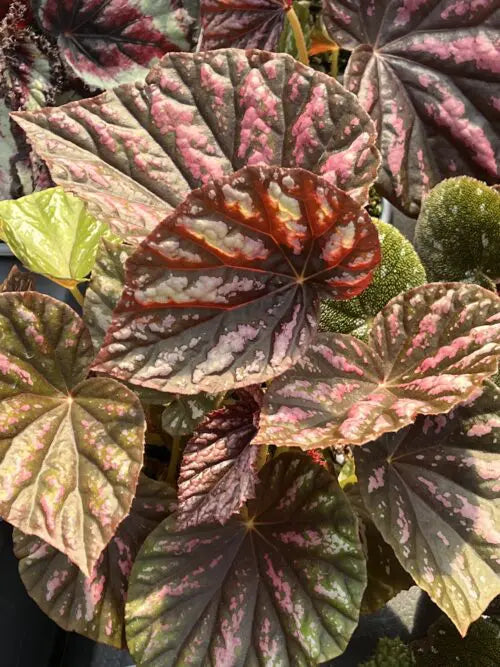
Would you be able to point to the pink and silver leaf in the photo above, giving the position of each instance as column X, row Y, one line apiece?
column 433, row 491
column 93, row 606
column 224, row 292
column 71, row 448
column 429, row 349
column 134, row 154
column 428, row 74
column 287, row 581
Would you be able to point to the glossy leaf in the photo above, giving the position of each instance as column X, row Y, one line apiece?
column 429, row 349
column 135, row 153
column 219, row 467
column 70, row 447
column 18, row 281
column 183, row 413
column 427, row 73
column 223, row 293
column 432, row 491
column 113, row 42
column 285, row 582
column 52, row 233
column 250, row 24
column 93, row 606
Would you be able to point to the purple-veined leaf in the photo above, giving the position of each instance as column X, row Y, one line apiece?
column 219, row 466
column 428, row 350
column 223, row 293
column 93, row 606
column 433, row 492
column 182, row 414
column 70, row 448
column 286, row 581
column 247, row 24
column 116, row 41
column 428, row 73
column 18, row 281
column 135, row 153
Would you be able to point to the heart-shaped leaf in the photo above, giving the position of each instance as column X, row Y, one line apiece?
column 427, row 73
column 52, row 233
column 247, row 24
column 70, row 449
column 93, row 606
column 429, row 349
column 183, row 413
column 18, row 281
column 219, row 467
column 432, row 490
column 458, row 232
column 287, row 581
column 135, row 153
column 113, row 42
column 223, row 293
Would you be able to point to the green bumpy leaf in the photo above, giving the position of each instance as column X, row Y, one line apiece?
column 399, row 270
column 433, row 492
column 391, row 653
column 93, row 606
column 52, row 233
column 71, row 448
column 458, row 232
column 280, row 587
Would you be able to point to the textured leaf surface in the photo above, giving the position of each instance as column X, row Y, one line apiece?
column 286, row 582
column 135, row 153
column 428, row 73
column 93, row 606
column 70, row 448
column 433, row 492
column 391, row 653
column 429, row 349
column 223, row 293
column 113, row 42
column 400, row 269
column 18, row 281
column 247, row 24
column 7, row 154
column 183, row 414
column 458, row 232
column 219, row 467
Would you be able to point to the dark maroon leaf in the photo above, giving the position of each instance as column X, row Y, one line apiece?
column 433, row 492
column 135, row 153
column 223, row 293
column 18, row 281
column 429, row 349
column 244, row 24
column 428, row 74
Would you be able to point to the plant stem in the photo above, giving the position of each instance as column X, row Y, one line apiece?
column 175, row 455
column 77, row 295
column 299, row 35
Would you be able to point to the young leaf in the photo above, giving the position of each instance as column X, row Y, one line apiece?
column 287, row 581
column 52, row 233
column 18, row 281
column 93, row 606
column 399, row 270
column 183, row 413
column 429, row 349
column 391, row 653
column 458, row 232
column 219, row 467
column 70, row 448
column 135, row 153
column 113, row 42
column 251, row 24
column 223, row 293
column 427, row 73
column 432, row 490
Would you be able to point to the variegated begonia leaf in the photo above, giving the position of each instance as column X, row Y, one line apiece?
column 243, row 24
column 283, row 584
column 219, row 466
column 113, row 42
column 52, row 233
column 433, row 492
column 429, row 349
column 8, row 153
column 71, row 448
column 183, row 413
column 224, row 292
column 135, row 153
column 93, row 606
column 18, row 281
column 391, row 652
column 428, row 73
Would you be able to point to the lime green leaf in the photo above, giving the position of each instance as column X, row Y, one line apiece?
column 52, row 233
column 391, row 653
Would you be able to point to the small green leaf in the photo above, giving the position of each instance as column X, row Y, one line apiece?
column 52, row 233
column 183, row 414
column 391, row 653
